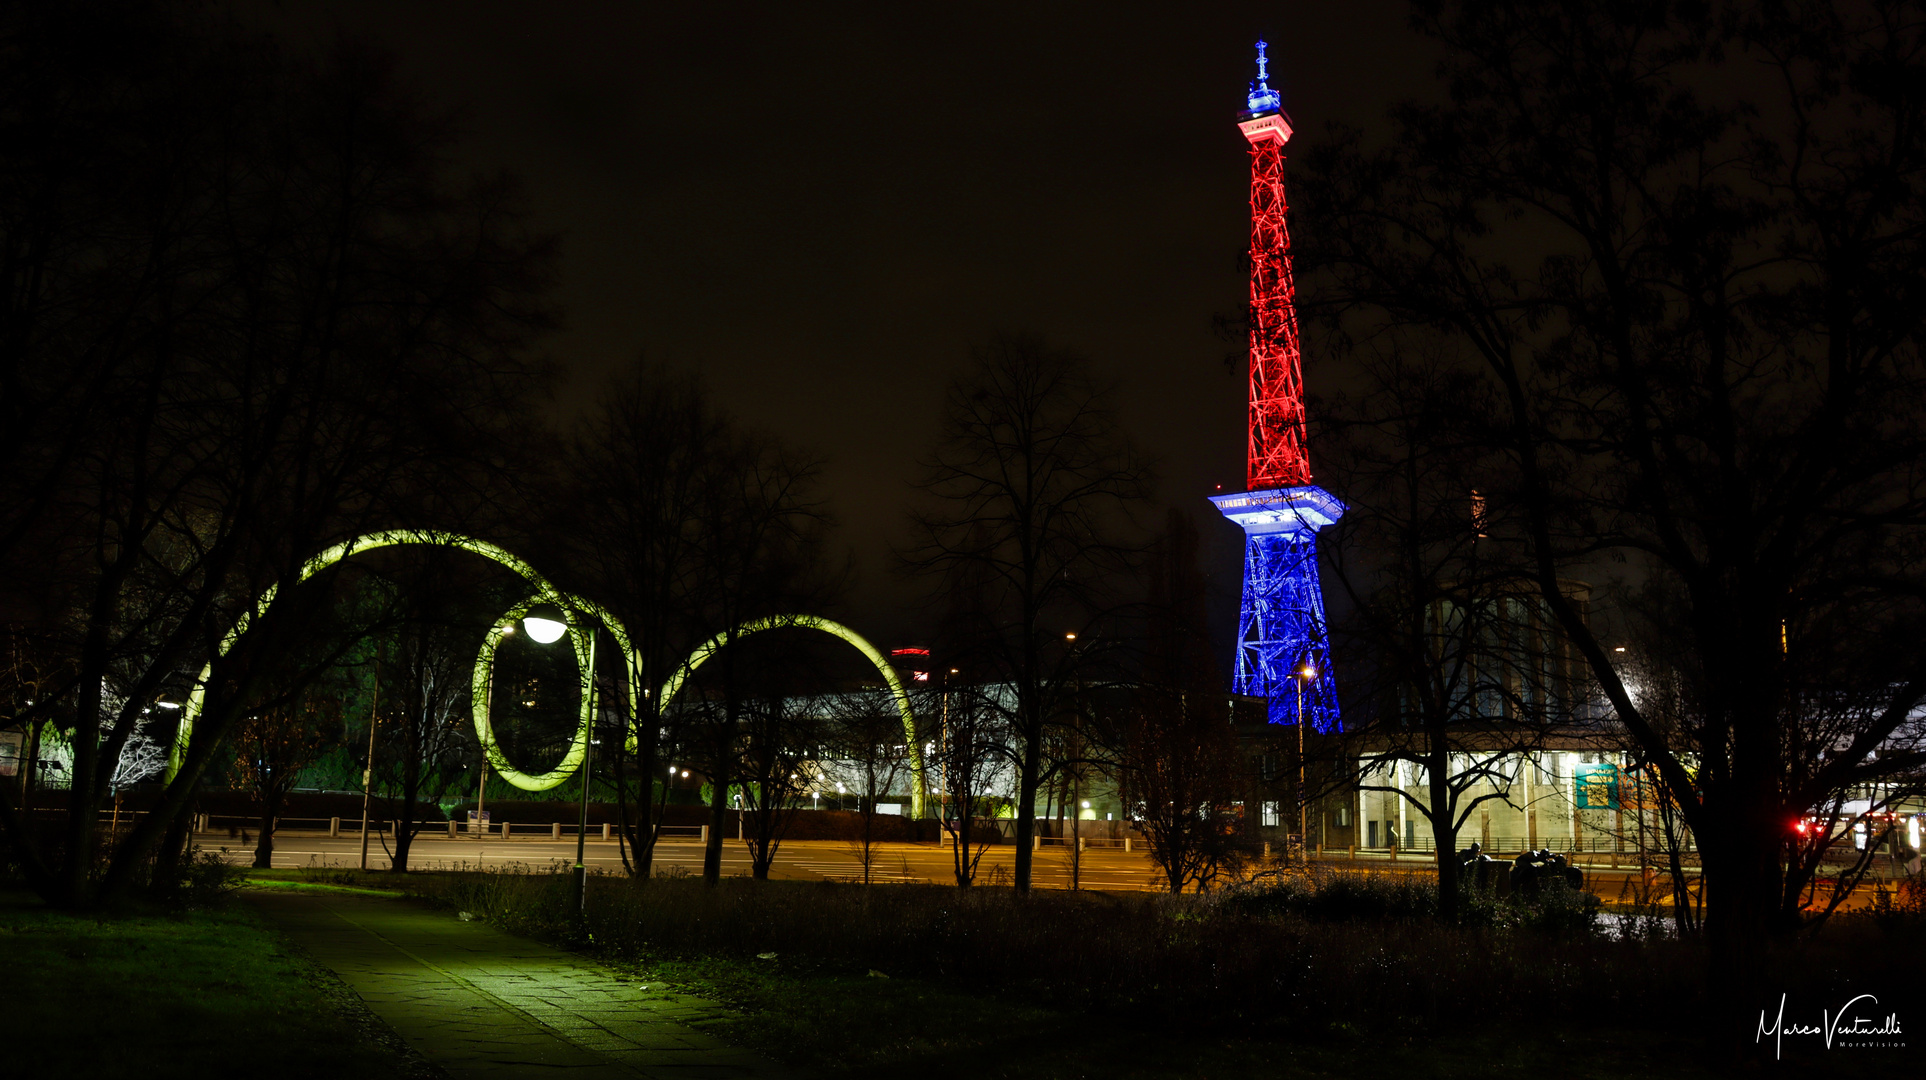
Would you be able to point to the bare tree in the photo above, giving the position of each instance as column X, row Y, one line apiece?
column 1029, row 491
column 427, row 674
column 1695, row 303
column 864, row 744
column 256, row 315
column 776, row 769
column 1467, row 672
column 1182, row 768
column 688, row 527
column 1173, row 747
column 971, row 761
column 271, row 747
column 644, row 467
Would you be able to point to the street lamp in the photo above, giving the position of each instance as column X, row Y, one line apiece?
column 367, row 774
column 1301, row 676
column 546, row 623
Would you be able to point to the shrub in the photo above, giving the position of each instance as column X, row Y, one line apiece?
column 1326, row 895
column 205, row 877
column 1344, row 945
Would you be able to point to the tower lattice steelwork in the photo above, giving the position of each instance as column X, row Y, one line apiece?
column 1281, row 631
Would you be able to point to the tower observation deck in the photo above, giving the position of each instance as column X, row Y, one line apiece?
column 1283, row 648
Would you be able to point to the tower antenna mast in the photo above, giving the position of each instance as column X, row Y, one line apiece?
column 1283, row 646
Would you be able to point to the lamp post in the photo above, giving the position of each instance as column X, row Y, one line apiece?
column 367, row 774
column 1303, row 675
column 940, row 748
column 546, row 623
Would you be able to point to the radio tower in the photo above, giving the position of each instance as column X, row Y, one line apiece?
column 1283, row 651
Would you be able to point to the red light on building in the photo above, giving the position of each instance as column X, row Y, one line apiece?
column 913, row 659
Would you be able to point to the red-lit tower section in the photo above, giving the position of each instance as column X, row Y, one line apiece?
column 1283, row 650
column 1277, row 457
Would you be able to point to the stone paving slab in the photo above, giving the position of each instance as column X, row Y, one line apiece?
column 484, row 1005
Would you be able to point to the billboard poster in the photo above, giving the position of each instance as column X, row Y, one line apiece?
column 1597, row 787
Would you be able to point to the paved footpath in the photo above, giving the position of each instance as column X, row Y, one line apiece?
column 483, row 1004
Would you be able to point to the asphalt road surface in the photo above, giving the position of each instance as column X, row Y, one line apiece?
column 805, row 860
column 797, row 860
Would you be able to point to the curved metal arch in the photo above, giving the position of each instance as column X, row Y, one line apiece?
column 918, row 793
column 544, row 591
column 482, row 693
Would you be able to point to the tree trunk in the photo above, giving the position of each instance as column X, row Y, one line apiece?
column 264, row 847
column 642, row 836
column 1443, row 815
column 763, row 849
column 173, row 848
column 718, row 817
column 404, row 839
column 868, row 808
column 1026, row 825
column 1076, row 835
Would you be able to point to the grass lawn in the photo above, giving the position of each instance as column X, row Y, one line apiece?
column 841, row 1024
column 213, row 991
column 816, row 1004
column 157, row 994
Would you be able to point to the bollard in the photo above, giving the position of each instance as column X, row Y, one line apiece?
column 451, row 828
column 334, row 826
column 1354, row 852
column 1267, row 849
column 504, row 830
column 605, row 830
column 705, row 834
column 555, row 830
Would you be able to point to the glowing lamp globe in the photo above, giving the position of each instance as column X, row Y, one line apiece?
column 545, row 623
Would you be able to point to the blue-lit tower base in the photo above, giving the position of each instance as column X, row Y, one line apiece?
column 1281, row 628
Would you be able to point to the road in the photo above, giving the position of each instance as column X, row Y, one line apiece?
column 797, row 860
column 1107, row 869
column 804, row 860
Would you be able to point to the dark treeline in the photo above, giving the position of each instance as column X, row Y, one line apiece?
column 249, row 311
column 1638, row 304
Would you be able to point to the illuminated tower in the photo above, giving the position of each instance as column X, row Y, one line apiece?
column 1281, row 628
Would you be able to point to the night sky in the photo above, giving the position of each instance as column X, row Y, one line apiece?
column 820, row 207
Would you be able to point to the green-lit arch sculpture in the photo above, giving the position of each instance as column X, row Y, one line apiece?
column 835, row 629
column 484, row 679
column 544, row 591
column 579, row 638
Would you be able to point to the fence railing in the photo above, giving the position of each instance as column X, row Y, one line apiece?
column 1516, row 845
column 235, row 824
